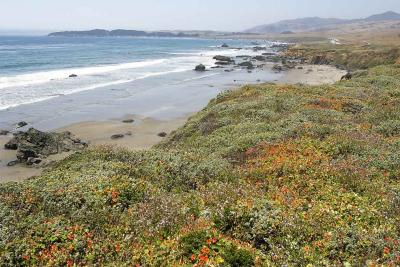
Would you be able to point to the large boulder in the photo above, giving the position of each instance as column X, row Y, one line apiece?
column 223, row 58
column 260, row 58
column 34, row 145
column 200, row 67
column 247, row 64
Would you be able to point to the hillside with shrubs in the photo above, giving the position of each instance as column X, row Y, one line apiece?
column 265, row 175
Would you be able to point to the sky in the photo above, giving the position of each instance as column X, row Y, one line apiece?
column 224, row 15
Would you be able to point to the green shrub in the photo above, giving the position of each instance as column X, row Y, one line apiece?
column 193, row 242
column 236, row 257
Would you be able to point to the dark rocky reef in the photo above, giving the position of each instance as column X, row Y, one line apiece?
column 33, row 145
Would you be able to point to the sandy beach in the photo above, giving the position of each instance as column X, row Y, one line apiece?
column 143, row 132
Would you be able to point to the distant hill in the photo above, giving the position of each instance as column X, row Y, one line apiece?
column 317, row 23
column 121, row 33
column 390, row 15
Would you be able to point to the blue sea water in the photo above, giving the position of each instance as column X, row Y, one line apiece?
column 34, row 69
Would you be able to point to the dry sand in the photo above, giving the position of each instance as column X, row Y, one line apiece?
column 312, row 75
column 143, row 132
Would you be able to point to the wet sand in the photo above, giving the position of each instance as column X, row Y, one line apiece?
column 143, row 132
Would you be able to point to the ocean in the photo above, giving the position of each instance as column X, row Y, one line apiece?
column 35, row 82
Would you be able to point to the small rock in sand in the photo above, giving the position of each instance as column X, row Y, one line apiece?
column 32, row 160
column 4, row 132
column 128, row 121
column 200, row 67
column 117, row 136
column 21, row 124
column 162, row 134
column 128, row 133
column 12, row 163
column 73, row 76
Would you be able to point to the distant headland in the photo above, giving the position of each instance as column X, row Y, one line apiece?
column 122, row 33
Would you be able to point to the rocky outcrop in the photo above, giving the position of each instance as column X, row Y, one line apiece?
column 33, row 145
column 224, row 45
column 247, row 64
column 200, row 67
column 259, row 48
column 260, row 58
column 223, row 58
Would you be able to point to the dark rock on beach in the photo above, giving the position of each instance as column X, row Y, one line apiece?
column 224, row 45
column 223, row 63
column 73, row 76
column 162, row 134
column 36, row 145
column 247, row 64
column 117, row 136
column 200, row 67
column 12, row 163
column 259, row 48
column 128, row 121
column 21, row 124
column 260, row 58
column 223, row 58
column 4, row 132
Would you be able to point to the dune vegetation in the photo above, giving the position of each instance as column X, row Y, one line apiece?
column 265, row 175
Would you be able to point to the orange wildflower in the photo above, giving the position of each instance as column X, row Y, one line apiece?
column 205, row 250
column 193, row 257
column 203, row 259
column 386, row 250
column 25, row 257
column 90, row 243
column 70, row 236
column 117, row 248
column 114, row 195
column 53, row 248
column 70, row 263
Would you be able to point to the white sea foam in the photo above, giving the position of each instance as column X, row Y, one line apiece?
column 46, row 76
column 23, row 101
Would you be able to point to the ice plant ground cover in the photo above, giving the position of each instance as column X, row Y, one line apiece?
column 265, row 175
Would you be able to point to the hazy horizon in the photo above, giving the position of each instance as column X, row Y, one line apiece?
column 24, row 16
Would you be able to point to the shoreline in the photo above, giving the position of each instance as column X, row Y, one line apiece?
column 143, row 132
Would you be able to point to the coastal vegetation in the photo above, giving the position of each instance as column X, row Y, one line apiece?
column 266, row 175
